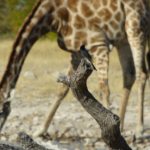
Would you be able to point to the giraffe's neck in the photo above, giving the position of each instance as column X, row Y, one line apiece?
column 36, row 24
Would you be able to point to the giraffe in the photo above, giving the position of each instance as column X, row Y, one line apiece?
column 94, row 24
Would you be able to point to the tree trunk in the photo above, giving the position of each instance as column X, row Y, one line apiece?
column 108, row 122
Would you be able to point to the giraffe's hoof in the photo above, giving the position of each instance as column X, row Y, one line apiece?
column 139, row 132
column 40, row 133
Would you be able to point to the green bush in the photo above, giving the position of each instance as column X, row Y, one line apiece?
column 13, row 13
column 17, row 11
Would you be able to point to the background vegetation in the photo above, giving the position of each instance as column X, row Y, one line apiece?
column 12, row 15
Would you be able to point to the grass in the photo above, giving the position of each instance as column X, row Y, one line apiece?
column 46, row 61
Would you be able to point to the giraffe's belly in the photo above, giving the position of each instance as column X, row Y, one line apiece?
column 90, row 39
column 74, row 42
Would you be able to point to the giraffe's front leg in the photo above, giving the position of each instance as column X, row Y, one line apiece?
column 101, row 59
column 63, row 91
column 52, row 111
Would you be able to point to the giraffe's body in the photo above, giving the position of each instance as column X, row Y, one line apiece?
column 96, row 24
column 85, row 22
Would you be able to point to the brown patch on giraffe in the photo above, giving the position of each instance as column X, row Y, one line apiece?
column 86, row 11
column 93, row 49
column 48, row 16
column 105, row 27
column 77, row 44
column 132, row 5
column 81, row 36
column 80, row 39
column 79, row 22
column 100, row 62
column 66, row 30
column 128, row 10
column 113, row 5
column 101, row 67
column 58, row 2
column 47, row 5
column 72, row 5
column 114, row 25
column 138, row 6
column 105, row 14
column 63, row 14
column 68, row 43
column 39, row 14
column 94, row 39
column 104, row 2
column 99, row 52
column 118, row 16
column 96, row 4
column 109, row 33
column 142, row 5
column 126, row 1
column 135, row 23
column 118, row 35
column 94, row 23
column 126, row 24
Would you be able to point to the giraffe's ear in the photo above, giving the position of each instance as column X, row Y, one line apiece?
column 84, row 52
column 82, row 47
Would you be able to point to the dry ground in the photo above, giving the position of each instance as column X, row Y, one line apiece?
column 37, row 87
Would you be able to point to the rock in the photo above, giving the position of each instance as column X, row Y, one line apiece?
column 3, row 138
column 87, row 142
column 35, row 121
column 29, row 75
column 99, row 145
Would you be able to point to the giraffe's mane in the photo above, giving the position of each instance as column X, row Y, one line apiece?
column 18, row 38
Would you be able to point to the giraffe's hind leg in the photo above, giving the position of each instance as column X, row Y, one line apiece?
column 101, row 59
column 127, row 65
column 137, row 43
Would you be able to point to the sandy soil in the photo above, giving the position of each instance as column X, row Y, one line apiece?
column 72, row 127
